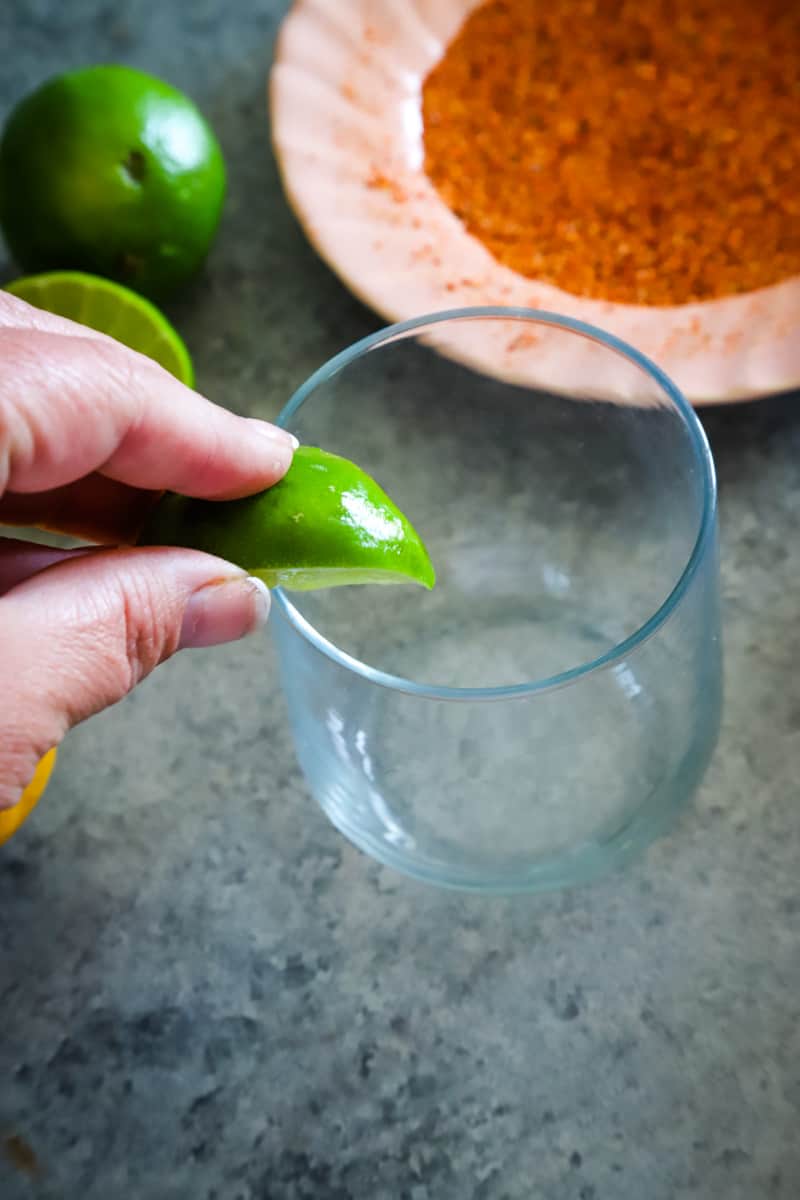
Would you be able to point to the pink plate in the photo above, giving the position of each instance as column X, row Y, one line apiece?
column 347, row 131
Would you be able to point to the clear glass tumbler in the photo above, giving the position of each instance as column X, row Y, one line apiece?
column 543, row 712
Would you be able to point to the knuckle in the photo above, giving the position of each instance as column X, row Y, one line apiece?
column 124, row 626
column 147, row 634
column 45, row 404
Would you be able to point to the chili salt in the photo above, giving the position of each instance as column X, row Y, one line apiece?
column 643, row 152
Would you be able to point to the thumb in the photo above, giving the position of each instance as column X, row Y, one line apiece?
column 80, row 635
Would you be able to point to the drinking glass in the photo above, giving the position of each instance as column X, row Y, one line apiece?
column 543, row 712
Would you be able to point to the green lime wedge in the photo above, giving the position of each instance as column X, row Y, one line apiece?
column 326, row 523
column 109, row 308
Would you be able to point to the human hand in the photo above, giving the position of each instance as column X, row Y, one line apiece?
column 90, row 433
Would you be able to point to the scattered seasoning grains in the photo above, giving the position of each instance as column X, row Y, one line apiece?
column 644, row 152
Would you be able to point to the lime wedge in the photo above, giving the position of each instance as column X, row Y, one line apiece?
column 326, row 523
column 109, row 308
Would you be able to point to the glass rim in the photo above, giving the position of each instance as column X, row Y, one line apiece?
column 621, row 650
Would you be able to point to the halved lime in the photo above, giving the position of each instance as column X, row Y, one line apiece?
column 325, row 524
column 109, row 308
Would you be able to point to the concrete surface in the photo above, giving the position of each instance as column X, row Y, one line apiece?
column 206, row 993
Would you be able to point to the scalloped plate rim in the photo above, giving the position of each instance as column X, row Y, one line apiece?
column 300, row 192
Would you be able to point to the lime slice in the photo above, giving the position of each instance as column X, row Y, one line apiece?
column 109, row 308
column 326, row 523
column 12, row 818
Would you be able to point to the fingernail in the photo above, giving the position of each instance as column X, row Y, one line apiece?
column 274, row 433
column 224, row 612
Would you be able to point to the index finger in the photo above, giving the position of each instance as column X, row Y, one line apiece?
column 70, row 405
column 18, row 313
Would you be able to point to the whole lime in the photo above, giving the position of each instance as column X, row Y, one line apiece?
column 109, row 170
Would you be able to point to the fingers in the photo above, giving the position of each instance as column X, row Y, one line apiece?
column 16, row 313
column 78, row 636
column 70, row 406
column 20, row 560
column 96, row 508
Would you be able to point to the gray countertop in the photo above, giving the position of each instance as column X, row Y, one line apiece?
column 207, row 993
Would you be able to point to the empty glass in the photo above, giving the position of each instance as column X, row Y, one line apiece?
column 542, row 713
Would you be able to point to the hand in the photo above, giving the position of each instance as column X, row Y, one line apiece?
column 90, row 432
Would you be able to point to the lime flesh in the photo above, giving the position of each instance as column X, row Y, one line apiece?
column 325, row 524
column 109, row 308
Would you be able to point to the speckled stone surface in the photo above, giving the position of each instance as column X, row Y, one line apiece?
column 206, row 993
